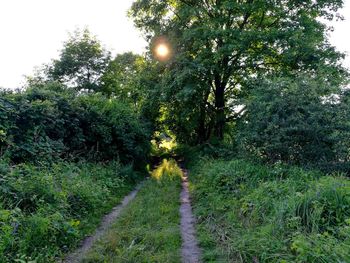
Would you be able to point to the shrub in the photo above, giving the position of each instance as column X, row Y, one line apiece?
column 48, row 121
column 297, row 121
column 112, row 130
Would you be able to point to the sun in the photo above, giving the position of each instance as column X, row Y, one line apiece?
column 162, row 51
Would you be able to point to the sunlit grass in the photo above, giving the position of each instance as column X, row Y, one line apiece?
column 168, row 169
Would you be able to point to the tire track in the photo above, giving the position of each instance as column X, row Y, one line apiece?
column 78, row 255
column 190, row 251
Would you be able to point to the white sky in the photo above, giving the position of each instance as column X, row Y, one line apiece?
column 32, row 31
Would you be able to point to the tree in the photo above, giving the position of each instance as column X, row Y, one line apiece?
column 136, row 80
column 121, row 77
column 82, row 62
column 299, row 120
column 219, row 45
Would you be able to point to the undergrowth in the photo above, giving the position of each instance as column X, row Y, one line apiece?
column 45, row 211
column 254, row 213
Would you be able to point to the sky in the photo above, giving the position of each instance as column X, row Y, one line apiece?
column 33, row 31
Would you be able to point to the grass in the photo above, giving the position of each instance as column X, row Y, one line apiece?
column 254, row 213
column 148, row 230
column 46, row 211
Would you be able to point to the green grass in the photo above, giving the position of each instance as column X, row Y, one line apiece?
column 255, row 213
column 148, row 230
column 45, row 211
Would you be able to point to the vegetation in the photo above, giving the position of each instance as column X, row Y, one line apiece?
column 254, row 84
column 68, row 155
column 45, row 211
column 217, row 46
column 82, row 62
column 255, row 213
column 49, row 121
column 148, row 230
column 299, row 121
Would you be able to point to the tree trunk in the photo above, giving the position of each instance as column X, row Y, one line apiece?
column 203, row 129
column 201, row 132
column 220, row 117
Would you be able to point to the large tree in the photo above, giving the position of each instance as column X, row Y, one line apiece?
column 217, row 45
column 81, row 63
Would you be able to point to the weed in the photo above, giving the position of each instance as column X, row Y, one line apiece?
column 255, row 213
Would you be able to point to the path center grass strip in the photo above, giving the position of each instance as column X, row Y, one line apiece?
column 148, row 230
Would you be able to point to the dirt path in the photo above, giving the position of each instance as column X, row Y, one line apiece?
column 190, row 251
column 77, row 255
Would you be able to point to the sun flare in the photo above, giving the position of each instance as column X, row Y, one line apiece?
column 162, row 50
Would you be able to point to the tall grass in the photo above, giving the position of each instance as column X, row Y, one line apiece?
column 256, row 213
column 45, row 211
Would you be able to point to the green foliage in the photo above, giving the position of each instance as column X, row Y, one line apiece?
column 121, row 77
column 254, row 213
column 82, row 62
column 325, row 205
column 32, row 130
column 87, row 107
column 113, row 130
column 299, row 120
column 46, row 211
column 46, row 204
column 49, row 121
column 218, row 45
column 148, row 230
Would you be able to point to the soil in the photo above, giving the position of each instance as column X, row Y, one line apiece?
column 190, row 251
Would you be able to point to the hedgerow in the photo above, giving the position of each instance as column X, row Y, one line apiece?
column 49, row 121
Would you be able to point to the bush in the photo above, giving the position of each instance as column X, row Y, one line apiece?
column 48, row 121
column 112, row 130
column 299, row 121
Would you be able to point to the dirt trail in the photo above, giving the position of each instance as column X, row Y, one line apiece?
column 190, row 251
column 77, row 255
